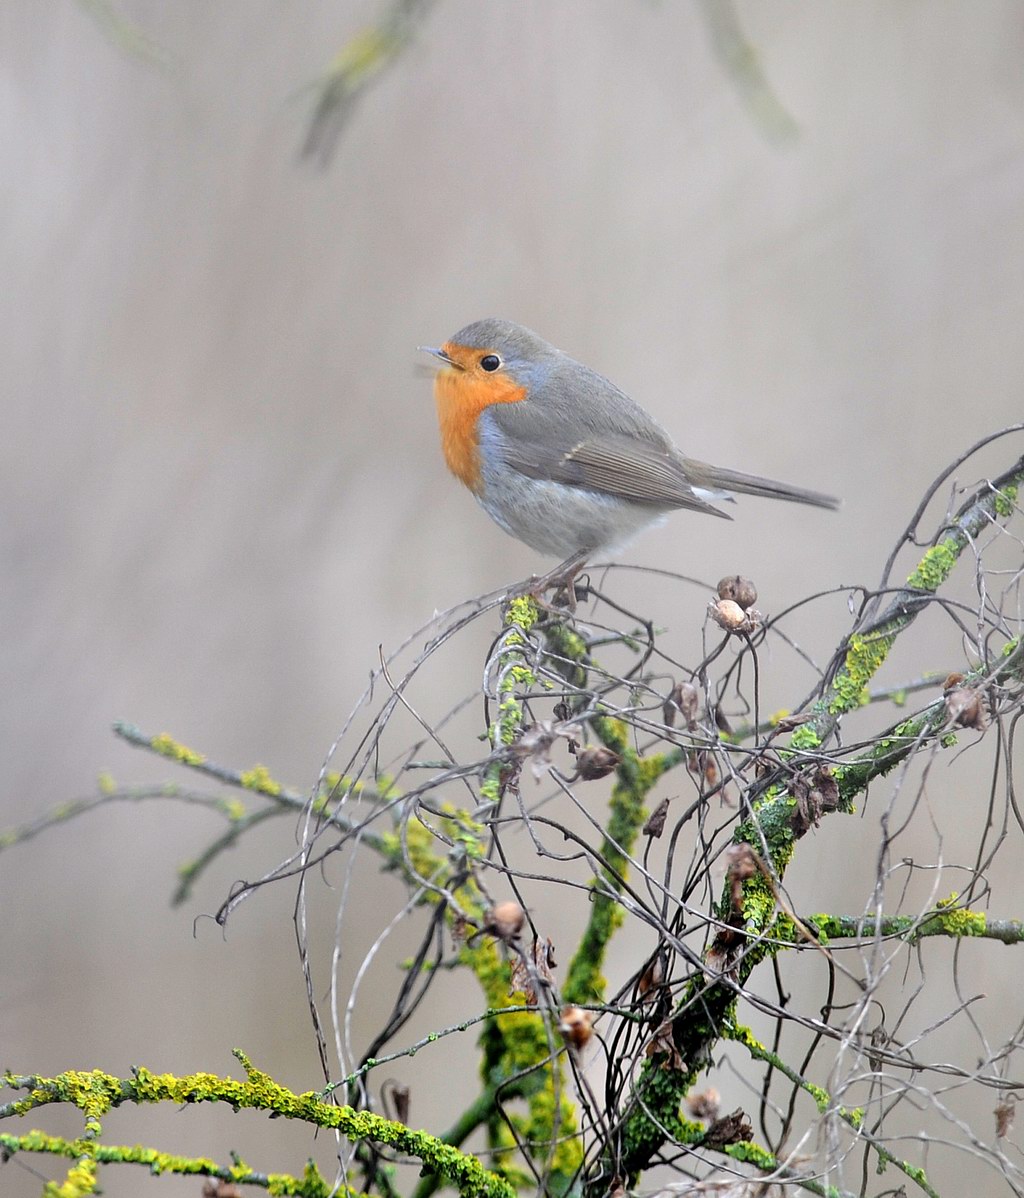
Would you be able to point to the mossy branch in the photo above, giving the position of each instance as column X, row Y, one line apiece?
column 866, row 649
column 95, row 1093
column 946, row 920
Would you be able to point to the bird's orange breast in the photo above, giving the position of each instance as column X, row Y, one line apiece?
column 461, row 395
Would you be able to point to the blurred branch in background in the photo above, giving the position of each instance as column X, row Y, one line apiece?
column 365, row 57
column 588, row 1083
column 126, row 35
column 375, row 49
column 742, row 65
column 361, row 61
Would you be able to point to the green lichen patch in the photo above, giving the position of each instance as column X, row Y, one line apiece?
column 167, row 746
column 935, row 567
column 259, row 779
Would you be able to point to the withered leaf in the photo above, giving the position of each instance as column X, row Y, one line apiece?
column 684, row 698
column 730, row 1129
column 663, row 1045
column 529, row 973
column 651, row 979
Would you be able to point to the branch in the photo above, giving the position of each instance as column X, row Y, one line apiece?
column 752, row 926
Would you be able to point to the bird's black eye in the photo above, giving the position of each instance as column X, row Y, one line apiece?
column 490, row 362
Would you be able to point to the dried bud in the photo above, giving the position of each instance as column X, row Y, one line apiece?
column 1005, row 1111
column 505, row 920
column 393, row 1092
column 684, row 698
column 966, row 706
column 701, row 763
column 764, row 765
column 741, row 864
column 704, row 1104
column 728, row 614
column 596, row 762
column 402, row 1098
column 575, row 1027
column 740, row 590
column 655, row 824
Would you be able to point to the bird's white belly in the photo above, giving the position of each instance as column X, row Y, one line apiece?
column 562, row 520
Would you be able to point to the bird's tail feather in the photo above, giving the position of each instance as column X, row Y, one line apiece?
column 717, row 478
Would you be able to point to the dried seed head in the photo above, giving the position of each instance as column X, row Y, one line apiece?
column 221, row 1189
column 704, row 1104
column 505, row 920
column 728, row 614
column 596, row 762
column 575, row 1027
column 740, row 590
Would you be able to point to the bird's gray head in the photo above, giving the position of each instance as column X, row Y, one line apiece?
column 496, row 347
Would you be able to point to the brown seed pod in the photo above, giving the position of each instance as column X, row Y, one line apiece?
column 739, row 589
column 596, row 762
column 575, row 1027
column 505, row 920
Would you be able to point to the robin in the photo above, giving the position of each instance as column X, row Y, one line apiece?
column 558, row 455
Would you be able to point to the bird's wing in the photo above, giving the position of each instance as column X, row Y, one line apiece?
column 617, row 464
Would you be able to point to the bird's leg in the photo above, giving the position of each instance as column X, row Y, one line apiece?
column 562, row 579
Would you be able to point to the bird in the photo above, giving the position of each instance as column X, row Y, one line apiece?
column 561, row 458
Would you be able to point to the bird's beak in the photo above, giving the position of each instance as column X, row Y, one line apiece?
column 439, row 353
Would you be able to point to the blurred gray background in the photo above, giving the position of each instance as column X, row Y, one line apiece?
column 221, row 488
